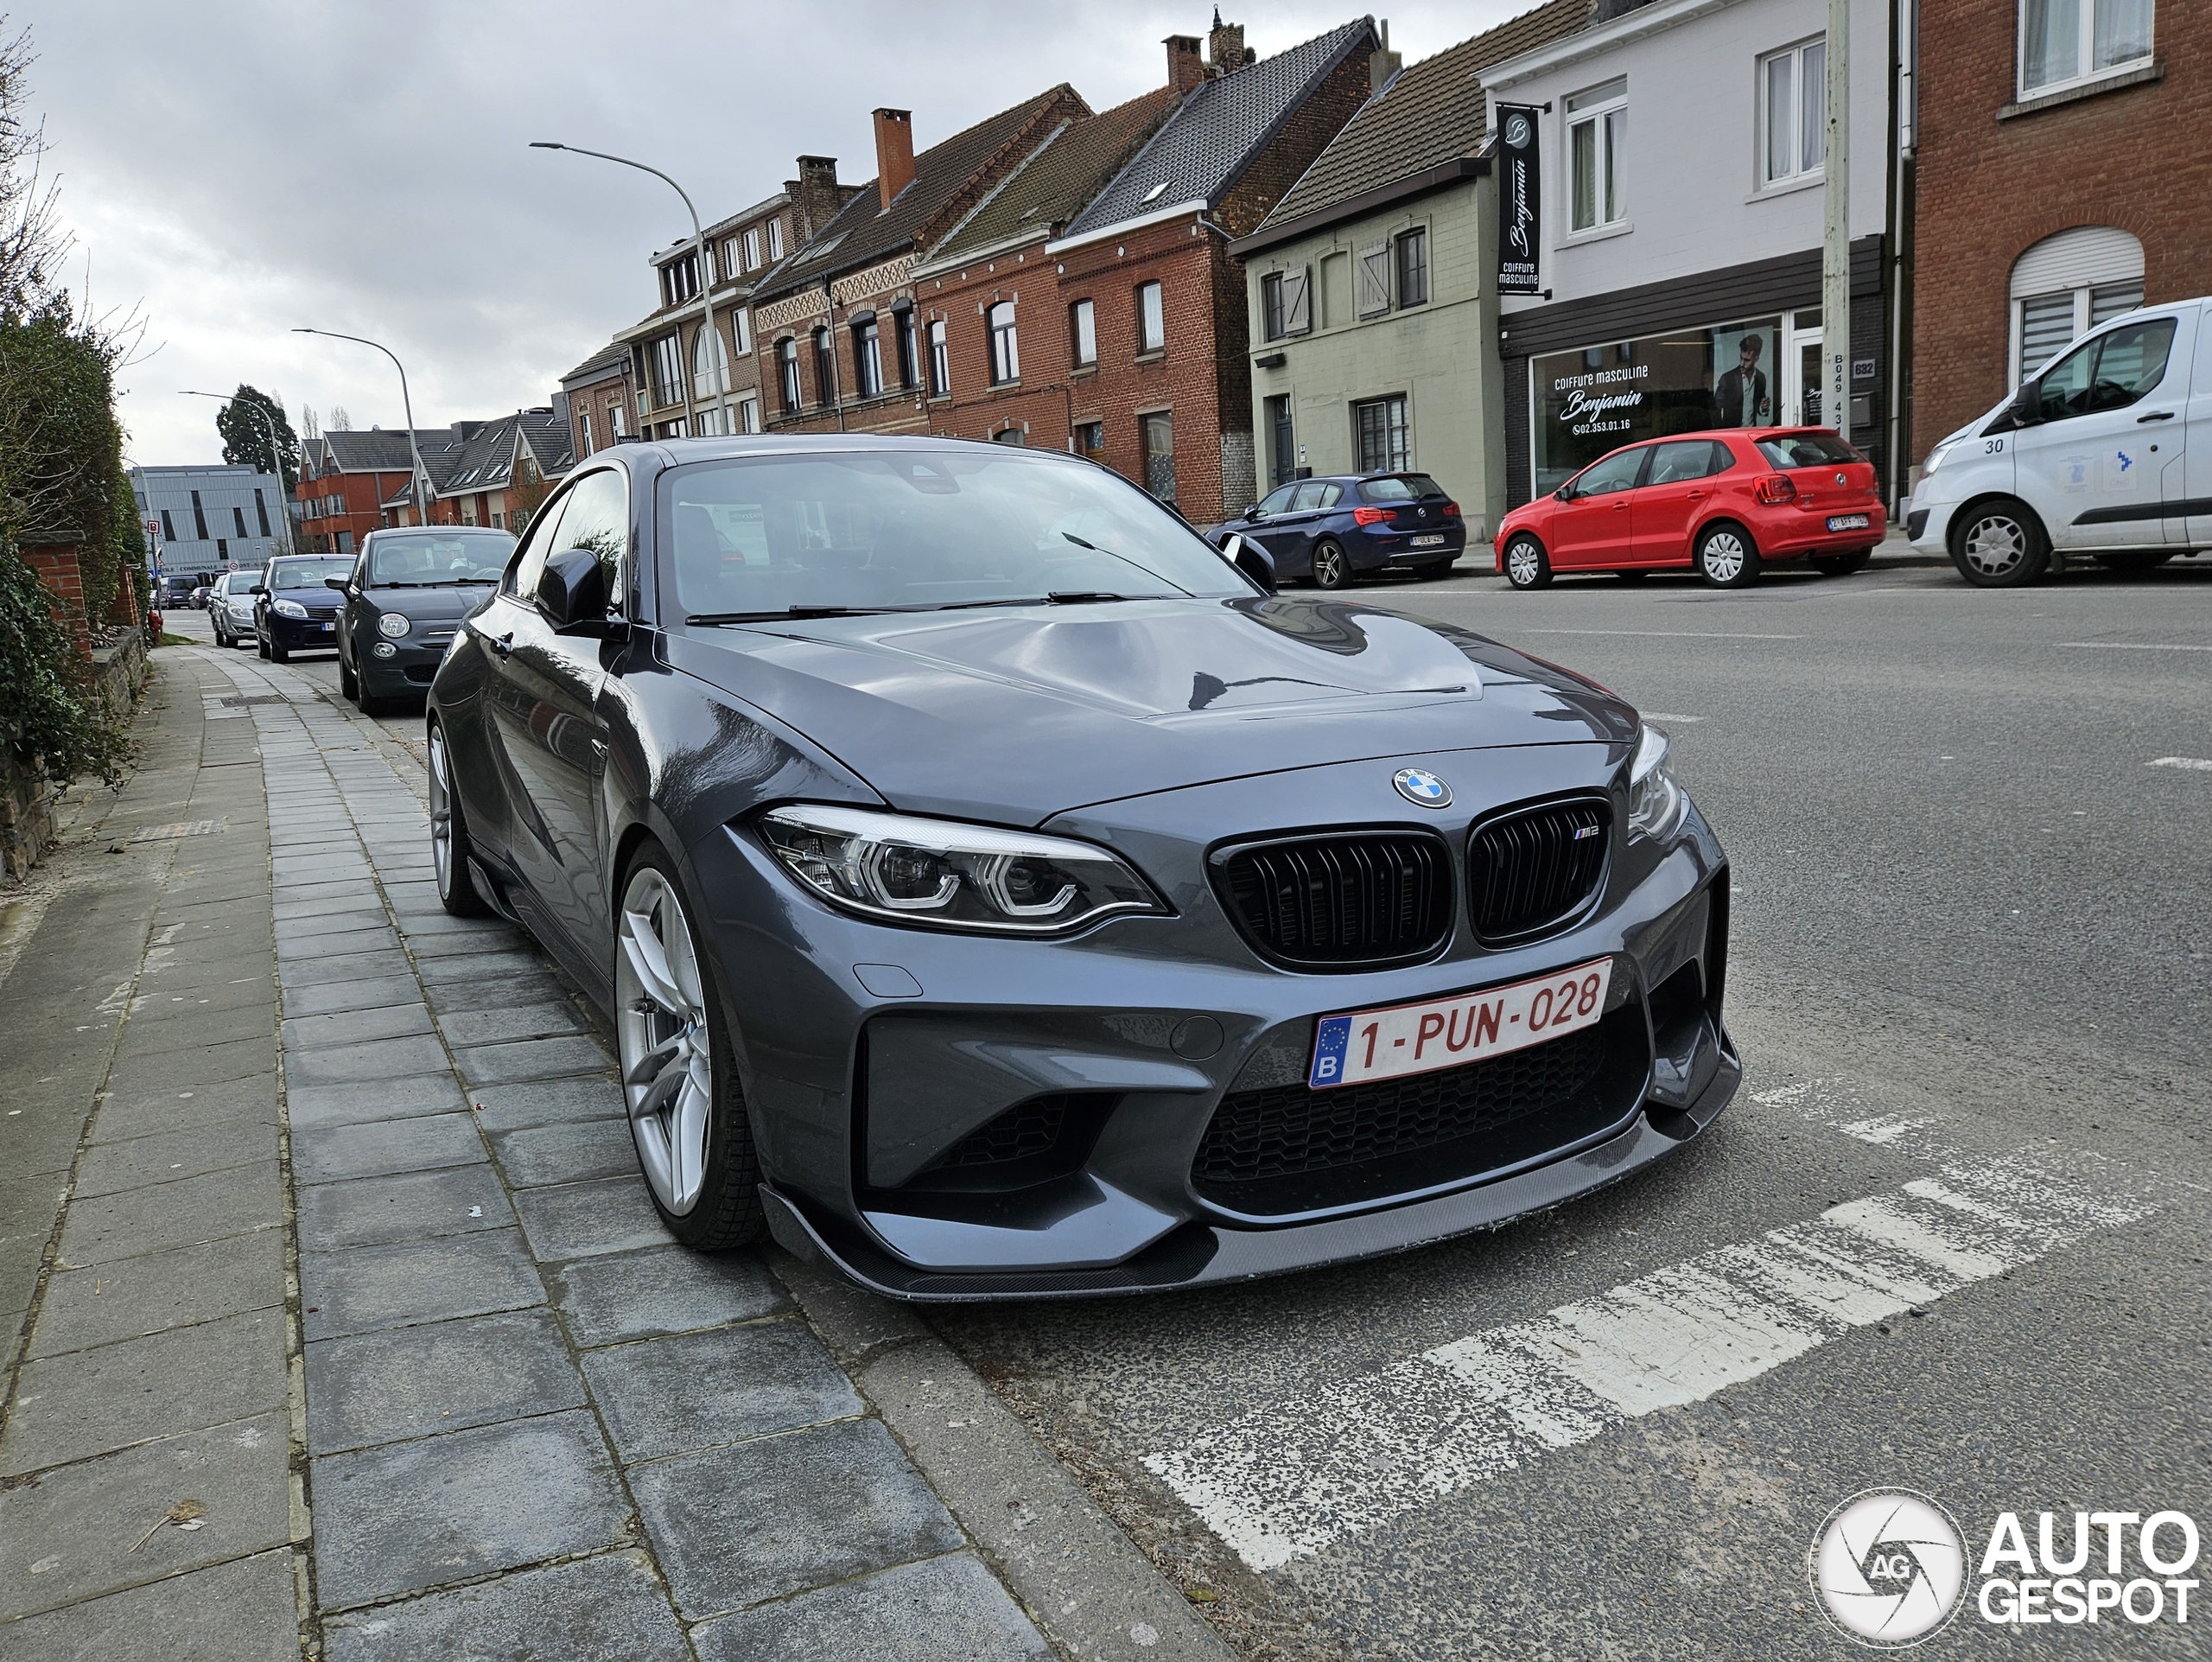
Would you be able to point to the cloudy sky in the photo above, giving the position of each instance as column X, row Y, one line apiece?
column 234, row 168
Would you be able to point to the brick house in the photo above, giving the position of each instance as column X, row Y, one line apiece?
column 2060, row 177
column 600, row 393
column 495, row 473
column 350, row 483
column 674, row 375
column 834, row 325
column 999, row 349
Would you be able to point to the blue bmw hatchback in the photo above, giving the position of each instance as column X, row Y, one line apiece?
column 1353, row 525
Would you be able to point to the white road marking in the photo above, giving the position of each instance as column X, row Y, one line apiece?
column 2136, row 645
column 1678, row 634
column 1290, row 1480
column 1655, row 716
column 2197, row 763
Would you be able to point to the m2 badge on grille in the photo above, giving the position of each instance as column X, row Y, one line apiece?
column 1440, row 1033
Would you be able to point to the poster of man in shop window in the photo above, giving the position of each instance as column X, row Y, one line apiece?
column 1741, row 393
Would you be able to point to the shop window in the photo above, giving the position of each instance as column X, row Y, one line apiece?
column 1379, row 431
column 1793, row 113
column 1158, row 429
column 1597, row 143
column 2068, row 43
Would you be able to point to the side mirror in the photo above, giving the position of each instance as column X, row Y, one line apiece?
column 572, row 590
column 340, row 584
column 1252, row 561
column 257, row 590
column 1251, row 512
column 1564, row 493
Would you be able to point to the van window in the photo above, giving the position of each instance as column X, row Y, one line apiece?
column 2109, row 372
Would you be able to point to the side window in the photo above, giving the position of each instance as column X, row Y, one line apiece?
column 1671, row 464
column 1309, row 497
column 1331, row 496
column 598, row 518
column 1615, row 472
column 1278, row 501
column 538, row 544
column 2131, row 362
column 2064, row 388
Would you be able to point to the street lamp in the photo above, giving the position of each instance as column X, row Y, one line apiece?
column 406, row 405
column 706, row 284
column 275, row 457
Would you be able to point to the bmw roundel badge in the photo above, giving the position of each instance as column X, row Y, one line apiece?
column 1421, row 788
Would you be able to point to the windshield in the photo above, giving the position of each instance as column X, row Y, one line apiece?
column 232, row 584
column 1399, row 488
column 306, row 573
column 452, row 557
column 914, row 530
column 1807, row 451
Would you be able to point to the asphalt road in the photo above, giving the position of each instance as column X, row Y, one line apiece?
column 1969, row 979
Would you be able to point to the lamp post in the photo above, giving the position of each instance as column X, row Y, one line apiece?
column 406, row 405
column 275, row 459
column 706, row 286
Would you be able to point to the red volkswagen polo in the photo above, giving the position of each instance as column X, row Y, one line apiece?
column 1725, row 501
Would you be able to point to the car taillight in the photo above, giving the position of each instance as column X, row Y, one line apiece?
column 1775, row 487
column 1452, row 510
column 1373, row 516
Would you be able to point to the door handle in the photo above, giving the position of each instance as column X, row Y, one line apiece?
column 1696, row 496
column 501, row 644
column 2156, row 415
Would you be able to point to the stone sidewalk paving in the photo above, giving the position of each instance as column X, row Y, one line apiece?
column 475, row 1401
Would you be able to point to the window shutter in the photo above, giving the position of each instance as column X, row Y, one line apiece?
column 1298, row 301
column 1373, row 279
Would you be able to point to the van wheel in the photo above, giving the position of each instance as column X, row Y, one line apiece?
column 1527, row 565
column 1726, row 557
column 2000, row 544
column 1842, row 565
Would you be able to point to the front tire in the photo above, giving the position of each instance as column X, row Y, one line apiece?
column 679, row 1071
column 2000, row 544
column 261, row 645
column 449, row 845
column 1527, row 565
column 1727, row 557
column 349, row 684
column 1330, row 568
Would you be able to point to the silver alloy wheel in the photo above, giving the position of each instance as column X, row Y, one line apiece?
column 1995, row 544
column 666, row 1054
column 1329, row 566
column 441, row 814
column 1723, row 555
column 1523, row 562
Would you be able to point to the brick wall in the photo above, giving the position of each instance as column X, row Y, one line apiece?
column 1988, row 189
column 58, row 573
column 1038, row 405
column 364, row 494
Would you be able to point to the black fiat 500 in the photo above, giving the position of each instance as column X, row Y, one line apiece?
column 998, row 892
column 404, row 599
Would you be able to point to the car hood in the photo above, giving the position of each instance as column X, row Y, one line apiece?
column 430, row 605
column 1015, row 716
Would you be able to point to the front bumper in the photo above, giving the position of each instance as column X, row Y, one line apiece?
column 410, row 670
column 301, row 635
column 868, row 1053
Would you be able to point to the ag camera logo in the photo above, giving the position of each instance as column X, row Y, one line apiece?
column 1887, row 1568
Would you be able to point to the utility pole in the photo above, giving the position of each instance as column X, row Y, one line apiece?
column 1835, row 243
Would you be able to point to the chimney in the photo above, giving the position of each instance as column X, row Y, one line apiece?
column 1382, row 63
column 1185, row 69
column 816, row 195
column 1225, row 45
column 894, row 152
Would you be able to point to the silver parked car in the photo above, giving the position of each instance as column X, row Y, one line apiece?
column 230, row 607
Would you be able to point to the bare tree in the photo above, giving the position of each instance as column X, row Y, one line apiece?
column 339, row 421
column 32, row 242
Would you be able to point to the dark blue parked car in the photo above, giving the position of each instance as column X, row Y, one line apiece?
column 1331, row 530
column 292, row 610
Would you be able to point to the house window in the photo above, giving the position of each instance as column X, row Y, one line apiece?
column 1793, row 112
column 752, row 249
column 585, row 433
column 733, row 261
column 1597, row 143
column 1379, row 427
column 710, row 362
column 825, row 367
column 2066, row 285
column 867, row 359
column 2063, row 41
column 740, row 327
column 940, row 362
column 1152, row 332
column 1091, row 439
column 667, row 371
column 680, row 279
column 909, row 369
column 615, row 424
column 748, row 415
column 1413, row 267
column 1158, row 430
column 1282, row 445
column 1006, row 352
column 787, row 371
column 1271, row 307
column 1082, row 331
column 775, row 239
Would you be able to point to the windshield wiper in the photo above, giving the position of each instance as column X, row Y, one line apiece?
column 1057, row 597
column 709, row 618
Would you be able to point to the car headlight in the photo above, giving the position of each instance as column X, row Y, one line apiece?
column 1935, row 457
column 900, row 869
column 1655, row 797
column 288, row 609
column 391, row 625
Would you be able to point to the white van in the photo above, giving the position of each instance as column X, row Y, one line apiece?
column 2104, row 453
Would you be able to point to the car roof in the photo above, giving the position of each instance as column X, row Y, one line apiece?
column 677, row 451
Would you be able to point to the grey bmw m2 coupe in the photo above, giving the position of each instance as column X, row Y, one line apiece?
column 999, row 892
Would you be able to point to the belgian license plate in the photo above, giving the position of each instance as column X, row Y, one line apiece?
column 1433, row 541
column 1388, row 1044
column 1846, row 522
column 325, row 627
